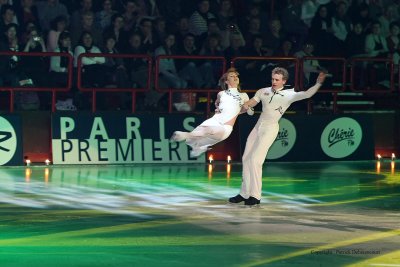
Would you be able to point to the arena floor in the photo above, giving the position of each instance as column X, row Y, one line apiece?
column 311, row 214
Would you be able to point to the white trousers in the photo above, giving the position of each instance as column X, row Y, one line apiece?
column 205, row 135
column 257, row 145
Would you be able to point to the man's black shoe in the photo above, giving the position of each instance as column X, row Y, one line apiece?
column 251, row 201
column 237, row 199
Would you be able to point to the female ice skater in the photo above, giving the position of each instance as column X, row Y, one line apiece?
column 275, row 101
column 217, row 128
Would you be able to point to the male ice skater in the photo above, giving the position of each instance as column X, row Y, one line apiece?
column 275, row 100
column 217, row 128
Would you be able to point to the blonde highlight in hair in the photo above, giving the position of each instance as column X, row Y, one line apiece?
column 224, row 78
column 281, row 71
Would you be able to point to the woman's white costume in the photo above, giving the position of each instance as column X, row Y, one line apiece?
column 214, row 129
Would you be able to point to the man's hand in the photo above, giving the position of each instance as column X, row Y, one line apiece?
column 321, row 77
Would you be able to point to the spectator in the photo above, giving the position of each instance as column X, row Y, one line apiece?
column 146, row 29
column 168, row 73
column 360, row 13
column 137, row 68
column 27, row 12
column 87, row 25
column 160, row 30
column 308, row 10
column 148, row 8
column 59, row 64
column 198, row 20
column 182, row 29
column 173, row 10
column 103, row 18
column 59, row 71
column 115, row 75
column 341, row 26
column 285, row 49
column 212, row 28
column 275, row 35
column 292, row 23
column 86, row 6
column 91, row 66
column 200, row 73
column 376, row 46
column 115, row 69
column 212, row 47
column 321, row 32
column 130, row 15
column 355, row 42
column 226, row 14
column 167, row 69
column 58, row 25
column 311, row 69
column 35, row 67
column 116, row 29
column 375, row 42
column 393, row 42
column 252, row 29
column 254, row 72
column 236, row 48
column 48, row 11
column 386, row 19
column 254, row 11
column 14, row 74
column 7, row 13
column 310, row 66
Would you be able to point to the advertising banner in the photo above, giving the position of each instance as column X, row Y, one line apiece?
column 87, row 138
column 317, row 137
column 10, row 140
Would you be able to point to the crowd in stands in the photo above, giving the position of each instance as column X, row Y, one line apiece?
column 221, row 28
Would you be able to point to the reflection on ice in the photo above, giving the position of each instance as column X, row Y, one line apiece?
column 127, row 190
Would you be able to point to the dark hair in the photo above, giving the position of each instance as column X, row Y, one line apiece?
column 11, row 25
column 115, row 16
column 6, row 7
column 255, row 37
column 394, row 23
column 189, row 35
column 109, row 36
column 56, row 20
column 63, row 35
column 143, row 20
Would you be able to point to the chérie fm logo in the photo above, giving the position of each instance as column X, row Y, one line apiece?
column 8, row 141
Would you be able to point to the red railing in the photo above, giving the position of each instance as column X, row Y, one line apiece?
column 170, row 91
column 340, row 71
column 93, row 90
column 53, row 90
column 336, row 70
column 370, row 67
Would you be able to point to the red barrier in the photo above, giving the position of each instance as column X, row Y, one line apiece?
column 170, row 91
column 336, row 70
column 367, row 69
column 104, row 89
column 53, row 90
column 340, row 74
